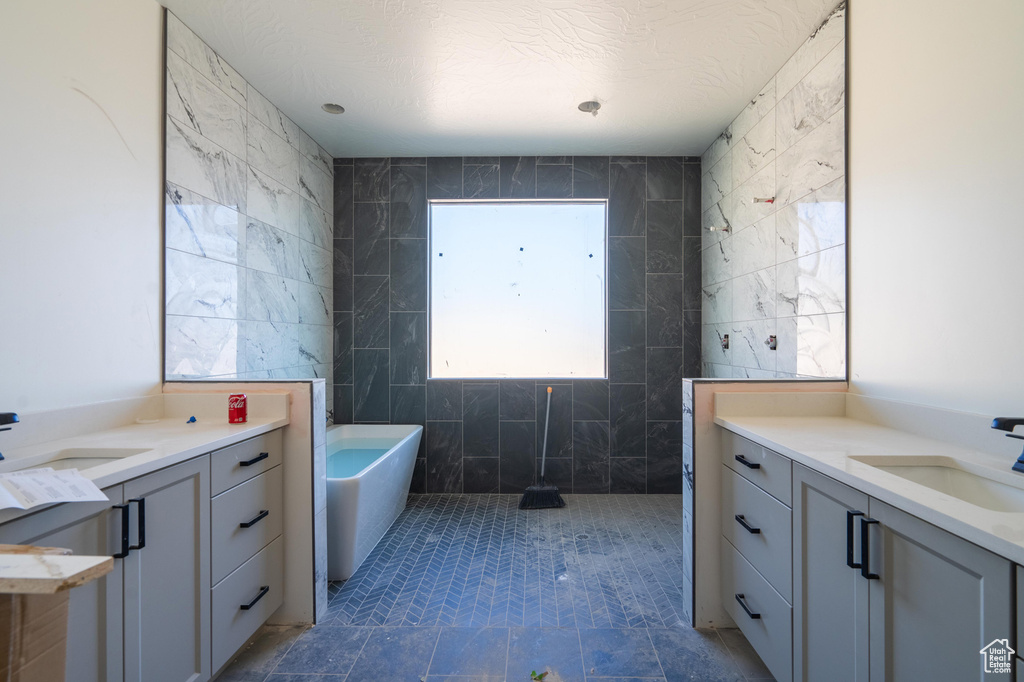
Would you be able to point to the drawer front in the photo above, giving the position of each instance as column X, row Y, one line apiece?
column 771, row 634
column 238, row 463
column 768, row 470
column 232, row 625
column 233, row 545
column 770, row 550
column 1020, row 613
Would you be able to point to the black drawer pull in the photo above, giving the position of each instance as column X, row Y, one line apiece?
column 263, row 593
column 142, row 522
column 743, row 603
column 849, row 537
column 750, row 529
column 125, row 521
column 865, row 550
column 747, row 463
column 258, row 458
column 256, row 519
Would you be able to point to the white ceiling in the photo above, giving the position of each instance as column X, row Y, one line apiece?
column 504, row 77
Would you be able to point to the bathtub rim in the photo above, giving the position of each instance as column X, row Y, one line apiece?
column 414, row 429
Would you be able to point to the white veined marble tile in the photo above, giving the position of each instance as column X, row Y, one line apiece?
column 716, row 262
column 320, row 569
column 753, row 295
column 314, row 225
column 747, row 343
column 812, row 346
column 272, row 156
column 315, row 185
column 744, row 210
column 325, row 162
column 202, row 287
column 813, row 100
column 711, row 343
column 717, row 215
column 717, row 182
column 753, row 247
column 687, row 546
column 813, row 162
column 202, row 106
column 204, row 167
column 187, row 45
column 315, row 304
column 717, row 302
column 812, row 223
column 269, row 249
column 264, row 111
column 203, row 346
column 716, row 151
column 756, row 109
column 749, row 373
column 271, row 202
column 754, row 150
column 813, row 284
column 272, row 298
column 196, row 225
column 271, row 346
column 315, row 265
column 819, row 44
column 315, row 345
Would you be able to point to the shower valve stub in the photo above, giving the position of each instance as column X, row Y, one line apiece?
column 771, row 342
column 725, row 342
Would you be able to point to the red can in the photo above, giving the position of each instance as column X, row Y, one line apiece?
column 238, row 411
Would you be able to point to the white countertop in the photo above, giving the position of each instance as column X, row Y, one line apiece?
column 827, row 443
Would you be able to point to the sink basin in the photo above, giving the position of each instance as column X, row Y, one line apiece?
column 79, row 458
column 979, row 485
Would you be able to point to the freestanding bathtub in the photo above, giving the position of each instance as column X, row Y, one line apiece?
column 369, row 469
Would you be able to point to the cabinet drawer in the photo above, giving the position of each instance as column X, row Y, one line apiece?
column 1019, row 571
column 770, row 550
column 246, row 503
column 771, row 634
column 228, row 467
column 768, row 470
column 233, row 625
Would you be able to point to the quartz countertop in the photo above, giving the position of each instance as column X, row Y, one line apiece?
column 827, row 443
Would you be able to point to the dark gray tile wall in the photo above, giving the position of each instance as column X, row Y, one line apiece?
column 621, row 435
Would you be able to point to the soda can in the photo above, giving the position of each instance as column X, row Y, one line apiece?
column 238, row 411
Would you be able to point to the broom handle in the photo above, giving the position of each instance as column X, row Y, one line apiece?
column 544, row 448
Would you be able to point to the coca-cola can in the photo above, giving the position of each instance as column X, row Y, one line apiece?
column 238, row 411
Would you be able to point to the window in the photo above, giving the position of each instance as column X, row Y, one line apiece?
column 517, row 289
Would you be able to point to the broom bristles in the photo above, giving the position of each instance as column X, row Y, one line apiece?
column 541, row 497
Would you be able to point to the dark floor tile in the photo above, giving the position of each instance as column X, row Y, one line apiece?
column 394, row 653
column 324, row 649
column 618, row 652
column 749, row 663
column 312, row 677
column 470, row 651
column 262, row 653
column 686, row 653
column 465, row 678
column 551, row 650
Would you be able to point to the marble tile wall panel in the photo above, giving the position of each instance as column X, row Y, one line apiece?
column 249, row 232
column 780, row 268
column 487, row 435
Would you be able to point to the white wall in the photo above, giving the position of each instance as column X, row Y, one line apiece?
column 80, row 201
column 936, row 233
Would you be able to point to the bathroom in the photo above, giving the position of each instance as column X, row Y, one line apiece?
column 109, row 300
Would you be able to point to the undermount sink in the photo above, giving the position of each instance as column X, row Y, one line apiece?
column 976, row 484
column 81, row 458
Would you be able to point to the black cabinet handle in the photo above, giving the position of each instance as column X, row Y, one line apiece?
column 849, row 537
column 747, row 463
column 264, row 513
column 258, row 458
column 142, row 522
column 743, row 603
column 125, row 521
column 263, row 593
column 742, row 522
column 865, row 550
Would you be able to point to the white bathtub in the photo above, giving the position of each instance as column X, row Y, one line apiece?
column 369, row 469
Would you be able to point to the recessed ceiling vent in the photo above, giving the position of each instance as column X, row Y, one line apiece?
column 333, row 108
column 590, row 107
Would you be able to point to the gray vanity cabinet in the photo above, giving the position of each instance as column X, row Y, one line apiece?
column 937, row 602
column 830, row 599
column 94, row 609
column 167, row 582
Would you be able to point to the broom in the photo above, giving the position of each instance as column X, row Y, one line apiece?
column 542, row 496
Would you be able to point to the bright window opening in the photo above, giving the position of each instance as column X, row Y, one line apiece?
column 518, row 289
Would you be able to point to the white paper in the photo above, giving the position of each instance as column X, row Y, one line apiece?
column 33, row 487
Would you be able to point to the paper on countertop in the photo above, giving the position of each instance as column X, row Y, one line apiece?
column 33, row 487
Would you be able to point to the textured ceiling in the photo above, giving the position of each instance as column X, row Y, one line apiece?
column 490, row 77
